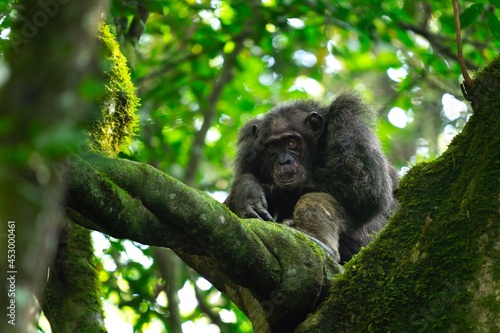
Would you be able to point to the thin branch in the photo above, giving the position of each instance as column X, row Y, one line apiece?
column 168, row 66
column 206, row 308
column 468, row 84
column 437, row 43
column 169, row 266
column 138, row 24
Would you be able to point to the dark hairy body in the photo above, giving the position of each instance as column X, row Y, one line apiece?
column 319, row 169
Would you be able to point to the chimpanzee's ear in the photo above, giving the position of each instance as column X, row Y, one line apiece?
column 315, row 122
column 255, row 128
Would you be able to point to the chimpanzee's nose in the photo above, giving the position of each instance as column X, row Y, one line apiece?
column 286, row 159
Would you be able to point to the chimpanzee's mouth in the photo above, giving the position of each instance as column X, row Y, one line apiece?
column 287, row 176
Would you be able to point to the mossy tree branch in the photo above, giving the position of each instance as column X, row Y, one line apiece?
column 130, row 200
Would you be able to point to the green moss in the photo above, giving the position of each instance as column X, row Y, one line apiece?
column 73, row 294
column 73, row 290
column 436, row 266
column 118, row 122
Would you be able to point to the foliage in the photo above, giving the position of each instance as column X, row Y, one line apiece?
column 202, row 68
column 293, row 50
column 397, row 54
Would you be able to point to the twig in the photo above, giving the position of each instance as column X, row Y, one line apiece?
column 468, row 86
column 438, row 42
column 202, row 303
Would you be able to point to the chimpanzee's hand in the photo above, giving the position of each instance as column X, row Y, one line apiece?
column 247, row 199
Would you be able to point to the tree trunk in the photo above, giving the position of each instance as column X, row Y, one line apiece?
column 52, row 48
column 72, row 296
column 436, row 266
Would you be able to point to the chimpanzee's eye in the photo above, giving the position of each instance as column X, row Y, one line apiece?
column 292, row 144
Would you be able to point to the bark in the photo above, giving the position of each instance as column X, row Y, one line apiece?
column 51, row 52
column 434, row 268
column 270, row 274
column 72, row 296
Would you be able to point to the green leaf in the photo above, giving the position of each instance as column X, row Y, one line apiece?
column 448, row 24
column 403, row 36
column 155, row 7
column 470, row 15
column 494, row 24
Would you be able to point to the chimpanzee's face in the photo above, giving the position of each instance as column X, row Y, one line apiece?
column 286, row 142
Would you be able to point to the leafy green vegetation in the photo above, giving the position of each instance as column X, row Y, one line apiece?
column 202, row 68
column 399, row 55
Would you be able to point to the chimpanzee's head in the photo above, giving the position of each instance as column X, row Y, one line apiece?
column 288, row 136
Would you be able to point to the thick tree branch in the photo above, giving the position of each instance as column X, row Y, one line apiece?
column 136, row 201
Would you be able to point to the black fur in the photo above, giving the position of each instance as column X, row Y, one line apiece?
column 329, row 153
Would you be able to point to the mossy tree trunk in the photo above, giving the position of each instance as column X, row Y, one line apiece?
column 52, row 48
column 435, row 268
column 72, row 297
column 72, row 301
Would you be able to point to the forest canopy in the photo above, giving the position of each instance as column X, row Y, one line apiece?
column 191, row 74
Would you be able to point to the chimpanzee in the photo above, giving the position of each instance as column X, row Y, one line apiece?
column 319, row 169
